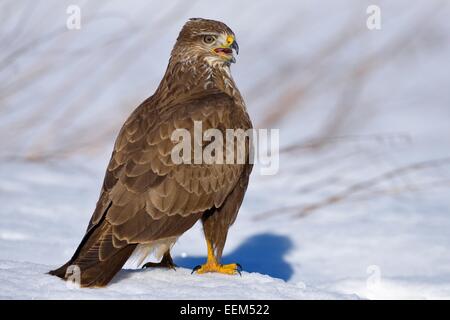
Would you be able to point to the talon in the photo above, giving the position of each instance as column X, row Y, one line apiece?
column 196, row 268
column 148, row 265
column 165, row 263
column 218, row 268
column 213, row 265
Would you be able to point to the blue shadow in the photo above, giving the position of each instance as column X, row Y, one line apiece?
column 262, row 253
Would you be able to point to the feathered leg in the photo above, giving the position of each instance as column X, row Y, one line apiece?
column 215, row 227
column 216, row 223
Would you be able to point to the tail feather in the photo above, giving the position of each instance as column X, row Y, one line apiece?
column 97, row 256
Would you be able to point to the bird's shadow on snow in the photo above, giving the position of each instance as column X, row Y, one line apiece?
column 263, row 253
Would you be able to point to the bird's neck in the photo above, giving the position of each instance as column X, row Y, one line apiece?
column 190, row 79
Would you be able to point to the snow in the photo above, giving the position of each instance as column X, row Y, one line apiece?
column 151, row 284
column 42, row 223
column 328, row 254
column 343, row 221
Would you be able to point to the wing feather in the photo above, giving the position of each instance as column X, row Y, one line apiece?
column 145, row 196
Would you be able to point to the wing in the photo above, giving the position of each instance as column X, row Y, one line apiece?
column 145, row 196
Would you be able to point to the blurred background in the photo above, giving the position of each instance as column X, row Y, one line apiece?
column 364, row 119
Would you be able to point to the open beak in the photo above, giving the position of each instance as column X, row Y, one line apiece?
column 227, row 49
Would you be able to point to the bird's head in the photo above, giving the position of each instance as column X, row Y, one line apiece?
column 210, row 40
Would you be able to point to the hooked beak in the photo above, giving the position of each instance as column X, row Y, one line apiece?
column 235, row 46
column 226, row 50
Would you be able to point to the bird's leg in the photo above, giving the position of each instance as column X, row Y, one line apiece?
column 215, row 228
column 166, row 262
column 212, row 265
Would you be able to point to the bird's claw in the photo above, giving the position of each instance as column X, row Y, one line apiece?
column 233, row 268
column 195, row 269
column 239, row 269
column 159, row 265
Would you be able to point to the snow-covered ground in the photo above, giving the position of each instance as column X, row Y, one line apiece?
column 366, row 215
column 369, row 246
column 46, row 210
column 22, row 280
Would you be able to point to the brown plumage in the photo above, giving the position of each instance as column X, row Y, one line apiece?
column 146, row 199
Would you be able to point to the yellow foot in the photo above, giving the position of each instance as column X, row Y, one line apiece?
column 232, row 268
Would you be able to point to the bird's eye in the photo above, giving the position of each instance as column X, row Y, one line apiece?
column 209, row 39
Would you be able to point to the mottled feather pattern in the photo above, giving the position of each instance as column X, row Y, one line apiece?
column 147, row 198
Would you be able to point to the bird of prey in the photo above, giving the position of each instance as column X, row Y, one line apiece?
column 147, row 201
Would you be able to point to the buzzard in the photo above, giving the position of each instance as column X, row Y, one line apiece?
column 147, row 201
